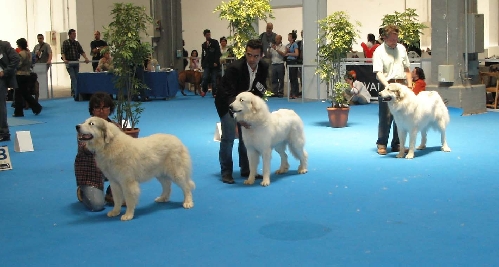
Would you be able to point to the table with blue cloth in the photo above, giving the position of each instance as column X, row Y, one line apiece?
column 162, row 84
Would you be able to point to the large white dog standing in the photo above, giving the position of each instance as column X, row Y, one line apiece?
column 266, row 131
column 416, row 113
column 128, row 161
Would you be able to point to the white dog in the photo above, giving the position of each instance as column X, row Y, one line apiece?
column 264, row 131
column 128, row 161
column 416, row 113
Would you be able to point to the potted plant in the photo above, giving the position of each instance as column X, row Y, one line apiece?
column 242, row 15
column 337, row 35
column 409, row 26
column 123, row 37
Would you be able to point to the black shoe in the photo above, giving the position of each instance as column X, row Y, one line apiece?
column 228, row 179
column 257, row 176
column 17, row 115
column 5, row 138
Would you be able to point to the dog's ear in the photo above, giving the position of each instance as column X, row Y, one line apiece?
column 107, row 132
column 255, row 104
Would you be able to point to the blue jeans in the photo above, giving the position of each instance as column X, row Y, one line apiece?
column 226, row 145
column 278, row 78
column 384, row 123
column 210, row 73
column 73, row 70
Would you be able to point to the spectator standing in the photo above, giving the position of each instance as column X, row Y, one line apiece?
column 194, row 61
column 291, row 59
column 278, row 52
column 43, row 51
column 70, row 52
column 210, row 61
column 8, row 66
column 248, row 74
column 185, row 55
column 268, row 38
column 96, row 46
column 391, row 65
column 370, row 46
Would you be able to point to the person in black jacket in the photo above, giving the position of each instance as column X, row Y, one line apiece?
column 9, row 61
column 210, row 61
column 238, row 78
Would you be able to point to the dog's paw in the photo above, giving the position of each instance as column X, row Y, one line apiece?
column 302, row 171
column 446, row 149
column 410, row 155
column 281, row 171
column 400, row 155
column 113, row 213
column 421, row 147
column 265, row 182
column 188, row 205
column 161, row 199
column 126, row 217
column 249, row 181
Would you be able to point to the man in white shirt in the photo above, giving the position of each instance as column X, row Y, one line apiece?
column 391, row 65
column 278, row 51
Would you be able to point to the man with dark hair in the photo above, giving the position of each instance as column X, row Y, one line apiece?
column 210, row 61
column 391, row 65
column 247, row 74
column 96, row 47
column 8, row 66
column 70, row 52
column 43, row 51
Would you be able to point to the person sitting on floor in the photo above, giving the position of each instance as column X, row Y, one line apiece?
column 357, row 93
column 418, row 80
column 89, row 178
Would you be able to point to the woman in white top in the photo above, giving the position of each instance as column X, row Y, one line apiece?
column 357, row 93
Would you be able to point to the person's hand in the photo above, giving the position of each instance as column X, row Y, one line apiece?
column 1, row 73
column 245, row 124
column 66, row 61
column 86, row 60
column 215, row 64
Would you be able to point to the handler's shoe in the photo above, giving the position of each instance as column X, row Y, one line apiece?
column 78, row 194
column 227, row 178
column 382, row 149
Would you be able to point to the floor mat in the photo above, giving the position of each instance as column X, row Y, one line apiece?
column 19, row 122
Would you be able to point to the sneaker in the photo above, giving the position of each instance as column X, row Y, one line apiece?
column 203, row 94
column 382, row 149
column 227, row 178
column 78, row 194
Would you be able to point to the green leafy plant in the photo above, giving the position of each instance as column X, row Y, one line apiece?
column 242, row 15
column 337, row 35
column 128, row 52
column 409, row 26
column 337, row 97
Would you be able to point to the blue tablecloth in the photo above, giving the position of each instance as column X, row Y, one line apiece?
column 161, row 84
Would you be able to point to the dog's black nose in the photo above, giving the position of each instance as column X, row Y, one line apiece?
column 230, row 107
column 77, row 127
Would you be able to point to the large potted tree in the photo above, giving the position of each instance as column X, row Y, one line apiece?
column 123, row 34
column 337, row 35
column 410, row 29
column 242, row 15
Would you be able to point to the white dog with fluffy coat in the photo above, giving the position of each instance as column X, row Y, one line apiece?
column 128, row 161
column 264, row 131
column 416, row 113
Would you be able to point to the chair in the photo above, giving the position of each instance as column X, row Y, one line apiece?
column 486, row 78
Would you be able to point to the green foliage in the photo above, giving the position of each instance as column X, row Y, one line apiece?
column 337, row 97
column 242, row 14
column 337, row 35
column 407, row 21
column 128, row 52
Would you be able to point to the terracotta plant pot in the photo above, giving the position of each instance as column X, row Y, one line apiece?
column 338, row 117
column 132, row 132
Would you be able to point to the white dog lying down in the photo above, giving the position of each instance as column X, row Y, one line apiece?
column 128, row 161
column 416, row 113
column 266, row 131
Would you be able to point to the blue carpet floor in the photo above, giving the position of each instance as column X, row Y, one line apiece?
column 353, row 207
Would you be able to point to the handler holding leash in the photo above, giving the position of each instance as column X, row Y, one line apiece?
column 248, row 74
column 391, row 65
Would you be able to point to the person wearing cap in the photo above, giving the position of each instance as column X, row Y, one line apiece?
column 210, row 61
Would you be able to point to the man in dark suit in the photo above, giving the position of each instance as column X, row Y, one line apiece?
column 210, row 61
column 9, row 60
column 247, row 74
